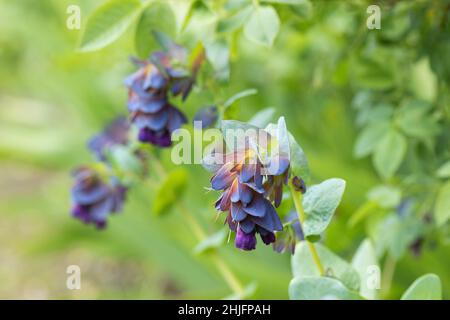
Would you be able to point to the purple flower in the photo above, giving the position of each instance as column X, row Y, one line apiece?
column 115, row 133
column 148, row 101
column 93, row 199
column 244, row 197
column 207, row 115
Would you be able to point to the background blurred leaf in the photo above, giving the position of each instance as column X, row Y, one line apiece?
column 442, row 206
column 212, row 242
column 235, row 21
column 389, row 153
column 262, row 118
column 170, row 191
column 385, row 196
column 157, row 16
column 369, row 138
column 108, row 22
column 444, row 170
column 218, row 55
column 262, row 26
column 427, row 287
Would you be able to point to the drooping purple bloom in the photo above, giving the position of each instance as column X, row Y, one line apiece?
column 93, row 200
column 115, row 133
column 206, row 117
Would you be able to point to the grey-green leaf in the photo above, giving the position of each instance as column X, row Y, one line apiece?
column 365, row 263
column 262, row 118
column 158, row 16
column 442, row 206
column 262, row 26
column 299, row 162
column 109, row 22
column 389, row 153
column 319, row 288
column 235, row 21
column 319, row 202
column 212, row 242
column 303, row 265
column 369, row 137
column 444, row 170
column 427, row 287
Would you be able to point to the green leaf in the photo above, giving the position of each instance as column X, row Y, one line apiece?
column 303, row 265
column 291, row 2
column 124, row 159
column 299, row 163
column 423, row 81
column 369, row 138
column 230, row 130
column 262, row 26
column 234, row 22
column 302, row 8
column 262, row 118
column 444, row 170
column 365, row 263
column 427, row 287
column 385, row 196
column 413, row 120
column 158, row 16
column 319, row 202
column 182, row 11
column 170, row 191
column 212, row 242
column 108, row 22
column 389, row 153
column 319, row 288
column 238, row 96
column 442, row 206
column 218, row 55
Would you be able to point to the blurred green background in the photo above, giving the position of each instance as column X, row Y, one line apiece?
column 52, row 99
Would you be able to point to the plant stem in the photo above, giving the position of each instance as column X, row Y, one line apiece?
column 227, row 274
column 297, row 197
column 388, row 273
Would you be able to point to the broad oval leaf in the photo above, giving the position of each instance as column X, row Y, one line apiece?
column 158, row 16
column 108, row 22
column 303, row 265
column 369, row 137
column 389, row 153
column 385, row 196
column 169, row 191
column 365, row 263
column 235, row 21
column 319, row 202
column 319, row 288
column 263, row 25
column 262, row 118
column 427, row 287
column 442, row 206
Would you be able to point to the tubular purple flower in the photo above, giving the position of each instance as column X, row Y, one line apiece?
column 93, row 199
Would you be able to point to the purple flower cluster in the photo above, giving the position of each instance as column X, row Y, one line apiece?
column 93, row 199
column 247, row 195
column 148, row 95
column 115, row 133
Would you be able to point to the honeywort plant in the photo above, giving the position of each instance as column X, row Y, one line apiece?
column 265, row 185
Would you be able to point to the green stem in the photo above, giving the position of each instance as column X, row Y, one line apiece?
column 225, row 271
column 297, row 197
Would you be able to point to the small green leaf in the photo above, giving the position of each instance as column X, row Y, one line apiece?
column 212, row 242
column 238, row 96
column 319, row 202
column 389, row 153
column 365, row 263
column 124, row 159
column 170, row 191
column 423, row 82
column 444, row 170
column 299, row 163
column 319, row 288
column 262, row 118
column 262, row 26
column 218, row 55
column 369, row 138
column 413, row 120
column 385, row 196
column 182, row 10
column 302, row 8
column 427, row 287
column 442, row 206
column 158, row 16
column 234, row 22
column 303, row 265
column 108, row 22
column 291, row 2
